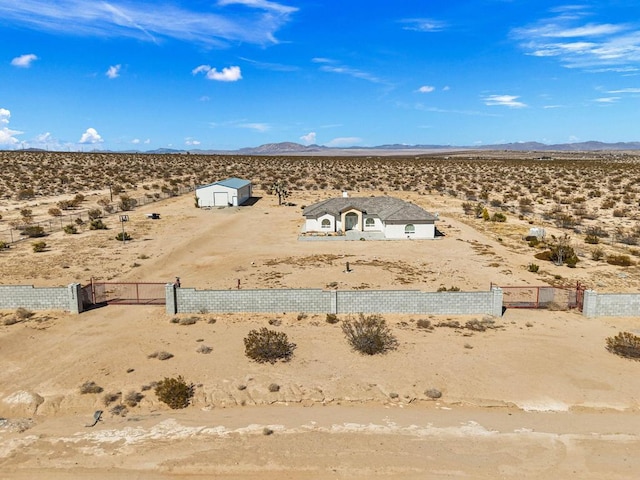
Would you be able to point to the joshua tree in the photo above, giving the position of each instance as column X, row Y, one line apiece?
column 279, row 188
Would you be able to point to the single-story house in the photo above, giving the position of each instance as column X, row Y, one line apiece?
column 225, row 193
column 391, row 216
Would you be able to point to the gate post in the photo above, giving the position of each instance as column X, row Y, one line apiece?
column 171, row 299
column 75, row 297
column 497, row 301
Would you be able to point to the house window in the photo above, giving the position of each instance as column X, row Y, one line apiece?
column 326, row 223
column 369, row 222
column 410, row 228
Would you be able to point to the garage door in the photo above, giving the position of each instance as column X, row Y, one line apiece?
column 220, row 199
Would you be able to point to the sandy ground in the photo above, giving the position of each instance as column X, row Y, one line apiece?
column 536, row 397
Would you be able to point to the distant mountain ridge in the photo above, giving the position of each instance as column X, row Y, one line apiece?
column 289, row 148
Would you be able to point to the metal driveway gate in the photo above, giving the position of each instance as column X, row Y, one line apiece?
column 123, row 293
column 561, row 298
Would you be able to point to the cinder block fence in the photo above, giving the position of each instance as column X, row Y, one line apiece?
column 41, row 298
column 190, row 300
column 610, row 304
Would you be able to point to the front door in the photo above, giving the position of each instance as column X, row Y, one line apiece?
column 350, row 221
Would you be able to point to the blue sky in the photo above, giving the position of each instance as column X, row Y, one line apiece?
column 226, row 74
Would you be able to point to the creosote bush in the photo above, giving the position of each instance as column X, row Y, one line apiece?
column 625, row 344
column 90, row 387
column 369, row 335
column 266, row 345
column 175, row 392
column 39, row 246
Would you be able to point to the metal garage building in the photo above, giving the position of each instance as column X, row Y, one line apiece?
column 225, row 193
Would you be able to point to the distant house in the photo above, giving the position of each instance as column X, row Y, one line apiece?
column 225, row 193
column 394, row 218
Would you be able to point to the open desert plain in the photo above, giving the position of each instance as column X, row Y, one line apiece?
column 531, row 394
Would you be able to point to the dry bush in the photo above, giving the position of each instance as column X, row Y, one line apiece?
column 162, row 355
column 90, row 387
column 625, row 344
column 274, row 387
column 175, row 392
column 332, row 318
column 266, row 345
column 619, row 260
column 132, row 398
column 109, row 398
column 369, row 335
column 204, row 349
column 424, row 323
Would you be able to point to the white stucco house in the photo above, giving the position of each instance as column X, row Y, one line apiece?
column 394, row 218
column 225, row 193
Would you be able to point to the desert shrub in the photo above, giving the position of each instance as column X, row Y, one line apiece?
column 23, row 313
column 109, row 398
column 33, row 231
column 274, row 387
column 70, row 229
column 597, row 254
column 123, row 236
column 97, row 224
column 55, row 212
column 204, row 349
column 118, row 410
column 3, row 245
column 332, row 318
column 592, row 239
column 266, row 345
column 369, row 334
column 424, row 323
column 90, row 387
column 162, row 355
column 433, row 393
column 498, row 217
column 302, row 316
column 619, row 260
column 533, row 268
column 94, row 213
column 132, row 398
column 39, row 246
column 442, row 288
column 126, row 203
column 188, row 321
column 25, row 193
column 625, row 344
column 175, row 392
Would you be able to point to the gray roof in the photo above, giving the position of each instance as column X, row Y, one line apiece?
column 389, row 209
column 232, row 182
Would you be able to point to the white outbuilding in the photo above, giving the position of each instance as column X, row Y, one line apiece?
column 225, row 193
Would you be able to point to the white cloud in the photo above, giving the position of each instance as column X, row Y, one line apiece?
column 607, row 99
column 424, row 24
column 214, row 24
column 446, row 88
column 426, row 89
column 578, row 43
column 113, row 71
column 625, row 90
column 24, row 61
column 510, row 101
column 259, row 127
column 191, row 142
column 228, row 74
column 7, row 135
column 135, row 141
column 352, row 72
column 309, row 138
column 5, row 115
column 147, row 141
column 344, row 142
column 91, row 136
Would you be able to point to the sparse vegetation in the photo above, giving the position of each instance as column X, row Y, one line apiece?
column 266, row 345
column 38, row 247
column 625, row 344
column 369, row 335
column 90, row 387
column 175, row 392
column 332, row 318
column 162, row 355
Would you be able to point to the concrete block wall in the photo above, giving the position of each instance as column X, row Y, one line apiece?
column 189, row 300
column 610, row 304
column 41, row 298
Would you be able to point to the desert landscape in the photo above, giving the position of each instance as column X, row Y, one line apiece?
column 532, row 394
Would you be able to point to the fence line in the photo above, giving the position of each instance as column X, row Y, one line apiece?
column 56, row 224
